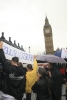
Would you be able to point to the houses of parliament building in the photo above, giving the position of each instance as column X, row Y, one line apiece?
column 48, row 37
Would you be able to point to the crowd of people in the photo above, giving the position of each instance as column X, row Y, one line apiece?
column 46, row 83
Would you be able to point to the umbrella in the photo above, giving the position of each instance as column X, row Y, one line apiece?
column 61, row 53
column 58, row 53
column 50, row 58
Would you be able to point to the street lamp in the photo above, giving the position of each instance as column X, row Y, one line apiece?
column 29, row 49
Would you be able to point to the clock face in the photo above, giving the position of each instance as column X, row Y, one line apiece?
column 47, row 30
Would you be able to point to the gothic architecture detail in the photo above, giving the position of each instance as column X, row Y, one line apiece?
column 48, row 37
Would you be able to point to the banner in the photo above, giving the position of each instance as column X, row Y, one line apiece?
column 64, row 53
column 14, row 52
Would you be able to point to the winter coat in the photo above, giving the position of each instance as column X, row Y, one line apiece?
column 57, row 86
column 41, row 89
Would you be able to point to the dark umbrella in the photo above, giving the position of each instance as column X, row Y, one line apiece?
column 50, row 58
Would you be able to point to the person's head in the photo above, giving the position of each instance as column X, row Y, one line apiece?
column 45, row 65
column 29, row 67
column 42, row 72
column 20, row 64
column 50, row 65
column 15, row 61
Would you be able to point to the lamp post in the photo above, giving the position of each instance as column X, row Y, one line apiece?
column 29, row 49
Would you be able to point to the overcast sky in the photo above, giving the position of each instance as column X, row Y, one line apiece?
column 23, row 21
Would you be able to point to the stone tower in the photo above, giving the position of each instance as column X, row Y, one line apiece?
column 48, row 37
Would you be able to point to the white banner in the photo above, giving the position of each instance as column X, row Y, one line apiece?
column 14, row 52
column 64, row 53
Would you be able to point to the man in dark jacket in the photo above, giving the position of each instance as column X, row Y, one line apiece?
column 14, row 82
column 57, row 79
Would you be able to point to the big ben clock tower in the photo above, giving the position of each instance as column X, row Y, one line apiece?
column 48, row 37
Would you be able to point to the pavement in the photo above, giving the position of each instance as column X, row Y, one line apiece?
column 33, row 97
column 0, row 95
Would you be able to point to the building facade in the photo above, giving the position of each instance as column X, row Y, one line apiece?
column 48, row 37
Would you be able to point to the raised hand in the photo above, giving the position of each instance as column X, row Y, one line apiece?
column 34, row 56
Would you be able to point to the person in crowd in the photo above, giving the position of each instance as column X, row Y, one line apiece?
column 42, row 87
column 14, row 82
column 66, row 72
column 57, row 79
column 46, row 67
column 24, row 68
column 31, row 77
column 20, row 65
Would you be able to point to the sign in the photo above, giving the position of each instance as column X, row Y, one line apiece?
column 64, row 53
column 14, row 52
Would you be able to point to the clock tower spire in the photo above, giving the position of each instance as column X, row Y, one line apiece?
column 48, row 37
column 46, row 20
